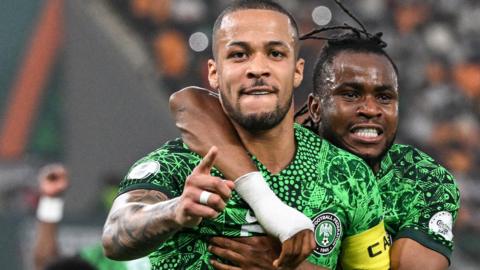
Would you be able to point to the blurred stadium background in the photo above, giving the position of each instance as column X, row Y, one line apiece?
column 86, row 83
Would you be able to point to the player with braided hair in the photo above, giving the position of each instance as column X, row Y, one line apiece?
column 355, row 106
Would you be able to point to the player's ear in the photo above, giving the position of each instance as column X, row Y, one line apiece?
column 298, row 77
column 212, row 74
column 314, row 107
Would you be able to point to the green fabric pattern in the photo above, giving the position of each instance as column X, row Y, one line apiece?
column 418, row 193
column 322, row 181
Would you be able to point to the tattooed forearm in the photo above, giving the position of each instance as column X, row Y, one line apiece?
column 138, row 222
column 146, row 196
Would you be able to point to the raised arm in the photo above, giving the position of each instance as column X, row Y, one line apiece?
column 141, row 219
column 53, row 181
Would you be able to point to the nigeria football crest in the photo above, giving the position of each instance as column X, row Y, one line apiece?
column 328, row 230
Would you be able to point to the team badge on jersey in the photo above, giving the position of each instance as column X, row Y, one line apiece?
column 143, row 170
column 328, row 230
column 442, row 223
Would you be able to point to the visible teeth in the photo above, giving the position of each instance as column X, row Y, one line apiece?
column 259, row 93
column 367, row 132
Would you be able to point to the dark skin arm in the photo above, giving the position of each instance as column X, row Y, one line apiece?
column 409, row 254
column 240, row 251
column 200, row 117
column 203, row 124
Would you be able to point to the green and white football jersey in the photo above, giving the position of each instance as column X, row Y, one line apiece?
column 336, row 189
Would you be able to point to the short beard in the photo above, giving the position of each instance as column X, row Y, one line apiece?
column 257, row 122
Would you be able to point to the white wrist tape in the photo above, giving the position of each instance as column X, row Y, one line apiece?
column 277, row 218
column 50, row 209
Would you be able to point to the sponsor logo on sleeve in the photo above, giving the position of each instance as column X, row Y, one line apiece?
column 442, row 223
column 328, row 230
column 143, row 170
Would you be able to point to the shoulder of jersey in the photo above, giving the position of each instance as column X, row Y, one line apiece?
column 151, row 164
column 423, row 162
column 307, row 138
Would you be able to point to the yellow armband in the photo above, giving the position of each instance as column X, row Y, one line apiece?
column 367, row 250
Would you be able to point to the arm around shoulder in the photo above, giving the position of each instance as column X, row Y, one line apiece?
column 202, row 122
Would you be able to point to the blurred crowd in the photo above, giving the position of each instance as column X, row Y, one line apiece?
column 434, row 43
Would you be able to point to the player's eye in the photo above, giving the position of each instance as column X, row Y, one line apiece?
column 385, row 98
column 277, row 54
column 350, row 95
column 237, row 55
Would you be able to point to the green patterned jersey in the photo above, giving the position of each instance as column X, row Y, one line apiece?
column 420, row 197
column 334, row 188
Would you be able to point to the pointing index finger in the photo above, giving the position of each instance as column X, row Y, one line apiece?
column 208, row 161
